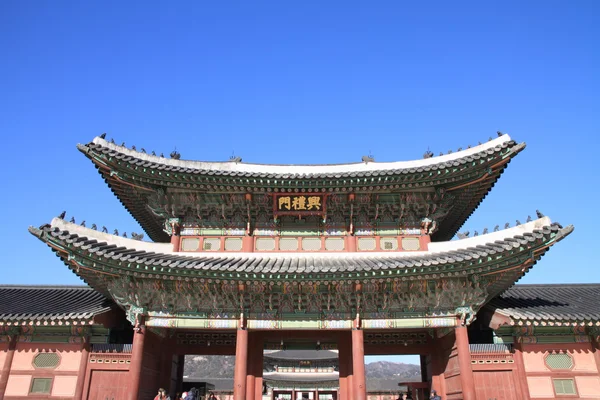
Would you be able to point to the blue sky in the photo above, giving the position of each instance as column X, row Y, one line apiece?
column 304, row 82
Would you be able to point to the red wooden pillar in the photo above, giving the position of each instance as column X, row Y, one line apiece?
column 358, row 365
column 251, row 367
column 10, row 353
column 596, row 347
column 438, row 381
column 137, row 359
column 258, row 365
column 521, row 378
column 85, row 355
column 241, row 363
column 464, row 363
column 345, row 365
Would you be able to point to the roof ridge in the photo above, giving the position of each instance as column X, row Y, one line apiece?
column 35, row 286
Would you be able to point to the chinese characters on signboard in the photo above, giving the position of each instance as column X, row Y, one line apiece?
column 300, row 204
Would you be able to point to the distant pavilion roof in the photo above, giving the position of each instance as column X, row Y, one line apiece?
column 20, row 304
column 550, row 304
column 302, row 355
column 301, row 376
column 469, row 174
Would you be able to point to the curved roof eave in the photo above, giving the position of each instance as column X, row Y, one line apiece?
column 306, row 171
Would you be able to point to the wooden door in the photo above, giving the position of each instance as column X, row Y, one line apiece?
column 108, row 385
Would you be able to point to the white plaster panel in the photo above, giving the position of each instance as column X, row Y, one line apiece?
column 64, row 385
column 18, row 385
column 540, row 386
column 588, row 386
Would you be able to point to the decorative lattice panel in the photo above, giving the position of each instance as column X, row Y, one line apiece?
column 410, row 244
column 233, row 244
column 265, row 244
column 41, row 385
column 46, row 360
column 288, row 244
column 389, row 244
column 559, row 361
column 311, row 244
column 334, row 244
column 564, row 386
column 190, row 244
column 366, row 244
column 211, row 244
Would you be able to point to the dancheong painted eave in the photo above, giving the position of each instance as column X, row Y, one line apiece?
column 507, row 255
column 467, row 174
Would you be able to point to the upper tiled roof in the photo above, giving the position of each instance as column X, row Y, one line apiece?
column 563, row 302
column 468, row 174
column 21, row 304
column 288, row 171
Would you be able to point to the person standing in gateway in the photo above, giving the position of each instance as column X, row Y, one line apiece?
column 434, row 396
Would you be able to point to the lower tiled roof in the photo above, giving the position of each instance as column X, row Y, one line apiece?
column 562, row 302
column 22, row 304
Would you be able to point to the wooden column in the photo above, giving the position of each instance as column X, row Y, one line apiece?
column 85, row 355
column 345, row 365
column 464, row 363
column 521, row 378
column 251, row 367
column 10, row 353
column 241, row 363
column 358, row 365
column 259, row 365
column 438, row 380
column 137, row 359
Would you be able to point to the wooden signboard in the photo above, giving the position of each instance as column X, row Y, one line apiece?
column 299, row 204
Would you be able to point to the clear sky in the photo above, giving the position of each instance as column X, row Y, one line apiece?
column 298, row 82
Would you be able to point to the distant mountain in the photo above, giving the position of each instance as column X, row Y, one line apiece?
column 222, row 367
column 387, row 369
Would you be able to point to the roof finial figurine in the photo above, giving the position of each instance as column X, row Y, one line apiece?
column 369, row 158
column 476, row 233
column 441, row 153
column 94, row 227
column 62, row 215
column 143, row 150
column 459, row 149
column 112, row 140
column 104, row 229
column 428, row 153
column 461, row 235
column 496, row 228
column 518, row 222
column 133, row 148
column 479, row 143
column 103, row 136
column 499, row 133
column 153, row 153
column 506, row 225
column 539, row 214
column 124, row 234
column 235, row 159
column 123, row 144
column 72, row 220
column 136, row 236
column 490, row 139
column 83, row 223
column 116, row 232
column 485, row 231
column 162, row 155
column 469, row 146
column 528, row 218
column 175, row 155
column 449, row 151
